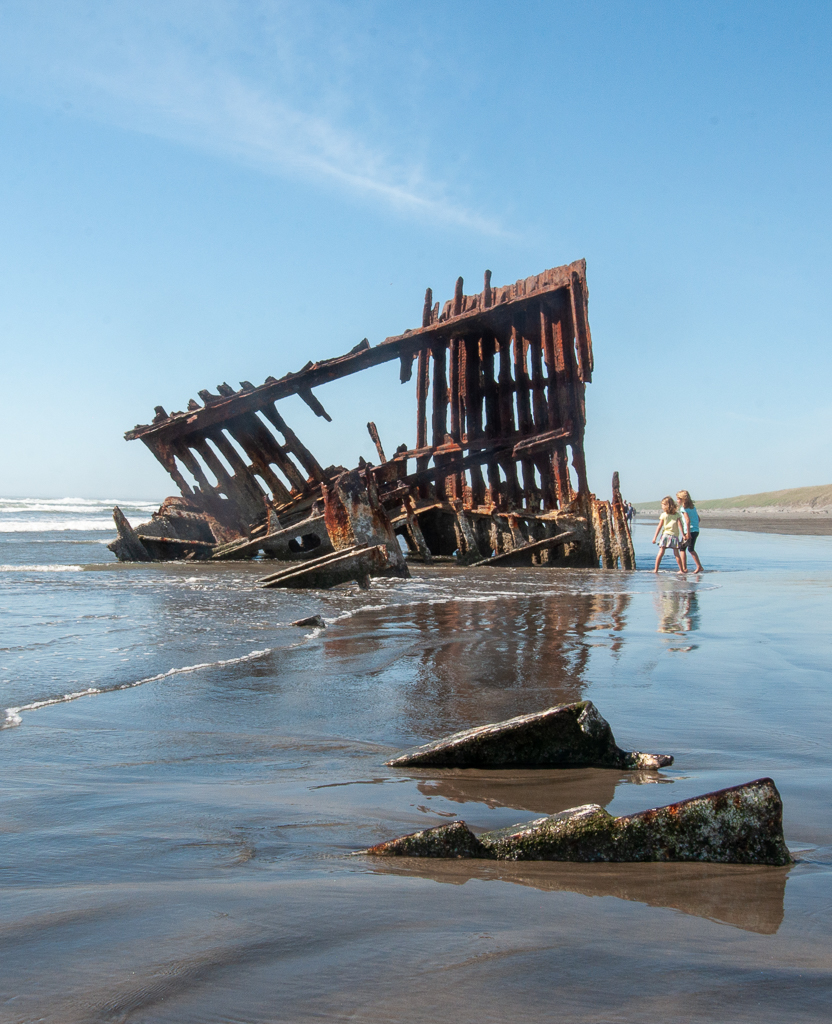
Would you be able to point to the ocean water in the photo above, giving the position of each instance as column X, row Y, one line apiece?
column 185, row 777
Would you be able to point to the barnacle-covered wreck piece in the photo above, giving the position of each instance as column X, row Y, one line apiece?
column 500, row 413
column 740, row 825
column 565, row 736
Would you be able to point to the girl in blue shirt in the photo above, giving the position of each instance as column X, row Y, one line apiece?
column 691, row 518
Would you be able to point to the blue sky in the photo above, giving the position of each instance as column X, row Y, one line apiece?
column 201, row 192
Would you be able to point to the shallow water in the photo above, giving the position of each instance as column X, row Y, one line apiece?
column 177, row 849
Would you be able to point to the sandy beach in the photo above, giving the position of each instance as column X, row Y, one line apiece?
column 798, row 522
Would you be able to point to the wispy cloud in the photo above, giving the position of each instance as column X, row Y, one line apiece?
column 149, row 76
column 231, row 117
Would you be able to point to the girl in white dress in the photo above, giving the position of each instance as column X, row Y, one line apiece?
column 672, row 528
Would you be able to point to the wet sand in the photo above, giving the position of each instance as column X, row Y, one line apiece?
column 180, row 851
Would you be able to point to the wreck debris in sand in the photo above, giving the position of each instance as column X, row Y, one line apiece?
column 740, row 825
column 565, row 736
column 500, row 379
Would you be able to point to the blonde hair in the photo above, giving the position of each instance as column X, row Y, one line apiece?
column 685, row 499
column 670, row 502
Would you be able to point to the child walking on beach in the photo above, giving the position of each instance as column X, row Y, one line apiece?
column 691, row 517
column 671, row 526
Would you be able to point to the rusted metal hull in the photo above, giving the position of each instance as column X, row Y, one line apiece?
column 500, row 416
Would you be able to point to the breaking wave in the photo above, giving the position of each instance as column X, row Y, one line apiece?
column 47, row 515
column 43, row 525
column 41, row 568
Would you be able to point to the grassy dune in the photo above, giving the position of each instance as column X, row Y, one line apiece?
column 796, row 498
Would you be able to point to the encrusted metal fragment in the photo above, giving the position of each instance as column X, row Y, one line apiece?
column 127, row 547
column 740, row 825
column 311, row 620
column 564, row 736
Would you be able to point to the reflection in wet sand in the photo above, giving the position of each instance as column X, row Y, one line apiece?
column 467, row 662
column 540, row 791
column 743, row 896
column 678, row 610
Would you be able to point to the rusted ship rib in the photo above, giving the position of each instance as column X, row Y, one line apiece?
column 500, row 380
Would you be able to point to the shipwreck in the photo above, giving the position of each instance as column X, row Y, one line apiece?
column 500, row 419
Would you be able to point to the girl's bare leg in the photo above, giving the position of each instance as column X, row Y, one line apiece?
column 659, row 558
column 679, row 556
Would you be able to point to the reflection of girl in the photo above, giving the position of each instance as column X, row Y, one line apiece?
column 671, row 526
column 677, row 611
column 691, row 517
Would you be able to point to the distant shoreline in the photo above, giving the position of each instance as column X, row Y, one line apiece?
column 792, row 521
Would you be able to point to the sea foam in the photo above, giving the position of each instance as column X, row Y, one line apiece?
column 13, row 714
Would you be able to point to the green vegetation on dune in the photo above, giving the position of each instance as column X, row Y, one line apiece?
column 793, row 497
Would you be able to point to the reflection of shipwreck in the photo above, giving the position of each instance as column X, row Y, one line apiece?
column 500, row 406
